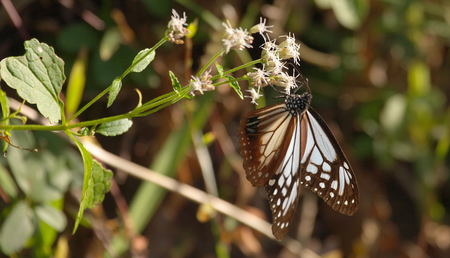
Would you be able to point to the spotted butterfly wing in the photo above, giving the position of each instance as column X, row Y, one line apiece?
column 325, row 169
column 288, row 145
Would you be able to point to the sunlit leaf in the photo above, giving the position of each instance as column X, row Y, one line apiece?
column 142, row 60
column 53, row 217
column 192, row 29
column 96, row 182
column 99, row 184
column 418, row 78
column 62, row 247
column 219, row 69
column 323, row 3
column 350, row 13
column 392, row 115
column 115, row 127
column 87, row 164
column 235, row 85
column 77, row 79
column 175, row 82
column 37, row 76
column 5, row 113
column 110, row 43
column 17, row 228
column 114, row 91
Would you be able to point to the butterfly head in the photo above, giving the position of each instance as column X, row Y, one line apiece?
column 297, row 103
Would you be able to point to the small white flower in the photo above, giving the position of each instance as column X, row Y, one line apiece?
column 261, row 28
column 259, row 77
column 176, row 28
column 254, row 95
column 273, row 63
column 196, row 85
column 269, row 46
column 290, row 49
column 285, row 80
column 236, row 38
column 201, row 84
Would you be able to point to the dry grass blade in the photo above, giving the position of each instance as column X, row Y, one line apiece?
column 193, row 194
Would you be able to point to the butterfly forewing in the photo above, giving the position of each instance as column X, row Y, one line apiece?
column 325, row 169
column 262, row 134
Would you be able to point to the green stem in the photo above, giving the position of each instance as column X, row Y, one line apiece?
column 210, row 61
column 251, row 63
column 139, row 112
column 152, row 49
column 122, row 76
column 90, row 103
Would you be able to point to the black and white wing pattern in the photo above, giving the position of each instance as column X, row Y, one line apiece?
column 324, row 168
column 286, row 146
column 283, row 189
column 270, row 145
column 263, row 133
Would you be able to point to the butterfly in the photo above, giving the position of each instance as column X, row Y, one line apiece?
column 287, row 147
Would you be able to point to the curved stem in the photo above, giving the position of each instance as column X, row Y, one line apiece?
column 251, row 63
column 122, row 76
column 210, row 61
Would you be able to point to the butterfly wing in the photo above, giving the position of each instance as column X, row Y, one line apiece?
column 262, row 142
column 283, row 151
column 324, row 167
column 284, row 186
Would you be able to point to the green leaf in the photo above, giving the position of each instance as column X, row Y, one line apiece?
column 350, row 13
column 175, row 82
column 53, row 217
column 115, row 127
column 192, row 29
column 419, row 82
column 87, row 164
column 17, row 228
column 393, row 113
column 37, row 76
column 235, row 85
column 100, row 183
column 323, row 3
column 142, row 60
column 219, row 69
column 110, row 43
column 77, row 79
column 5, row 113
column 7, row 183
column 96, row 183
column 114, row 91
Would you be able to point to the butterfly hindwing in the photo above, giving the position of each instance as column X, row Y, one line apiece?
column 283, row 188
column 325, row 169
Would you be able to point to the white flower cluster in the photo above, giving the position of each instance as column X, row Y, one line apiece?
column 176, row 28
column 274, row 71
column 236, row 38
column 202, row 83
